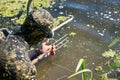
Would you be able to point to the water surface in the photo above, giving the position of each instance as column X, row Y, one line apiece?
column 96, row 23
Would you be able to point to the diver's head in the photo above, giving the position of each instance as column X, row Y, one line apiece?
column 38, row 25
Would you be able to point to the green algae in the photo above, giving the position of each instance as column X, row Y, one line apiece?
column 10, row 8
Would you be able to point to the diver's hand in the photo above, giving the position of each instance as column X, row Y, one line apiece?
column 44, row 51
column 49, row 49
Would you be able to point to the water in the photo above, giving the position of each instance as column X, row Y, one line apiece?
column 96, row 24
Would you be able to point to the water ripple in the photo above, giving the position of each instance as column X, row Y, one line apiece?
column 79, row 6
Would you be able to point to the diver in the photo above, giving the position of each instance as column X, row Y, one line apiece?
column 17, row 61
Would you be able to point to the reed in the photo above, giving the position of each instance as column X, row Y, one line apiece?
column 81, row 64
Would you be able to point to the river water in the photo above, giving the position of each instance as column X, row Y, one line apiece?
column 96, row 24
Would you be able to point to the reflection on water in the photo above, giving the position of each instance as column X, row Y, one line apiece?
column 96, row 23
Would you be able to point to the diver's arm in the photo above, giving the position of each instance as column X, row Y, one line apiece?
column 33, row 54
column 38, row 58
column 44, row 51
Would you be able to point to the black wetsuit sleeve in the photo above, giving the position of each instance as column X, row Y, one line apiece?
column 33, row 54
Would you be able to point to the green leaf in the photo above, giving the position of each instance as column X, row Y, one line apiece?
column 114, row 42
column 81, row 61
column 81, row 71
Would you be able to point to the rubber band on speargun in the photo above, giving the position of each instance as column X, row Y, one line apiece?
column 62, row 24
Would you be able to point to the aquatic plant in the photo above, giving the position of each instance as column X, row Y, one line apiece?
column 11, row 8
column 109, row 53
column 114, row 42
column 104, row 77
column 81, row 64
column 15, row 10
column 113, row 63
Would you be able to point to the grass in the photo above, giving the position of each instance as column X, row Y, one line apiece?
column 81, row 64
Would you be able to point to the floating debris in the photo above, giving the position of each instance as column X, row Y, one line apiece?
column 72, row 34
